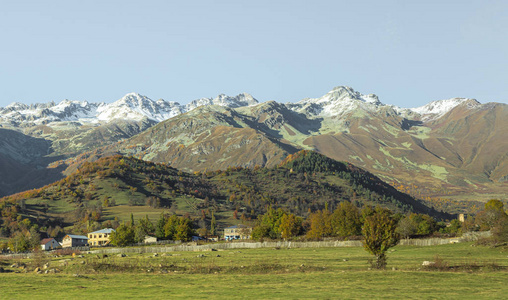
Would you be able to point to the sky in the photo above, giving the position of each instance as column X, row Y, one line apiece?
column 409, row 53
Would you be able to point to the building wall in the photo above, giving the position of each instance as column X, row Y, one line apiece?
column 68, row 242
column 98, row 239
column 53, row 244
column 242, row 233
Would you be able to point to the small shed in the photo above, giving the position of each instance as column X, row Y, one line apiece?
column 49, row 244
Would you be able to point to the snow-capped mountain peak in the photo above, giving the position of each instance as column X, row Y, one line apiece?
column 439, row 108
column 341, row 102
column 17, row 105
column 338, row 101
column 134, row 106
column 345, row 93
column 243, row 99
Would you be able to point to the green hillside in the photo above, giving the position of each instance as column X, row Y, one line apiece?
column 114, row 187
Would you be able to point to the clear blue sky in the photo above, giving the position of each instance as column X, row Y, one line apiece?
column 407, row 52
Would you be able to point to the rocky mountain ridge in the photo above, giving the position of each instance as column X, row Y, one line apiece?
column 133, row 107
column 443, row 149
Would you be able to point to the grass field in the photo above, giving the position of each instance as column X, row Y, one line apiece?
column 471, row 272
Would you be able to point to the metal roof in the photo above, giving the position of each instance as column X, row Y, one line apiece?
column 82, row 237
column 105, row 230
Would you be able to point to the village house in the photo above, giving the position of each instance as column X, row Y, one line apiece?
column 72, row 240
column 49, row 244
column 237, row 232
column 100, row 237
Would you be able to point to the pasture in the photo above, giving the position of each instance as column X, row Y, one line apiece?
column 464, row 271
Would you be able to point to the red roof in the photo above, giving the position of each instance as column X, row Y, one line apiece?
column 45, row 241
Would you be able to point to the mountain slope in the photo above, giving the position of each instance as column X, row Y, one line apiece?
column 209, row 137
column 114, row 186
column 447, row 148
column 23, row 161
column 432, row 151
column 70, row 128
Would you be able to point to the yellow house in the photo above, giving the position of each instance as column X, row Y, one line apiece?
column 99, row 237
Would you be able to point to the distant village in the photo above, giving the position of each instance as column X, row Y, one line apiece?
column 101, row 238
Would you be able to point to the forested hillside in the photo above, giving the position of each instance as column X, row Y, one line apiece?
column 111, row 188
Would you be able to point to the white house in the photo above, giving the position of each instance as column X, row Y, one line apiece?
column 49, row 244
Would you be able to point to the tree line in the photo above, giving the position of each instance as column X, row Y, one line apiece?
column 379, row 228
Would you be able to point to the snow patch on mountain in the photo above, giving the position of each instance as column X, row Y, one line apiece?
column 343, row 102
column 243, row 99
column 339, row 101
column 136, row 107
column 132, row 106
column 437, row 109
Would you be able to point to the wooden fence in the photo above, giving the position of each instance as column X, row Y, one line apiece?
column 230, row 245
column 470, row 236
column 285, row 244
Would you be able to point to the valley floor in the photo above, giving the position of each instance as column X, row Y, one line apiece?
column 465, row 272
column 322, row 285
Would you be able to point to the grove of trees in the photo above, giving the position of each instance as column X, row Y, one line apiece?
column 167, row 228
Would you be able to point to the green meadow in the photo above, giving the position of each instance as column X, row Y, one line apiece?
column 464, row 271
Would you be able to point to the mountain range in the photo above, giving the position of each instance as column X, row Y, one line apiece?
column 455, row 148
column 132, row 107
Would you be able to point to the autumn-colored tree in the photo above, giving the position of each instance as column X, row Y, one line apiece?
column 491, row 215
column 379, row 232
column 494, row 218
column 500, row 231
column 170, row 227
column 346, row 220
column 320, row 225
column 494, row 204
column 290, row 226
column 19, row 242
column 184, row 230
